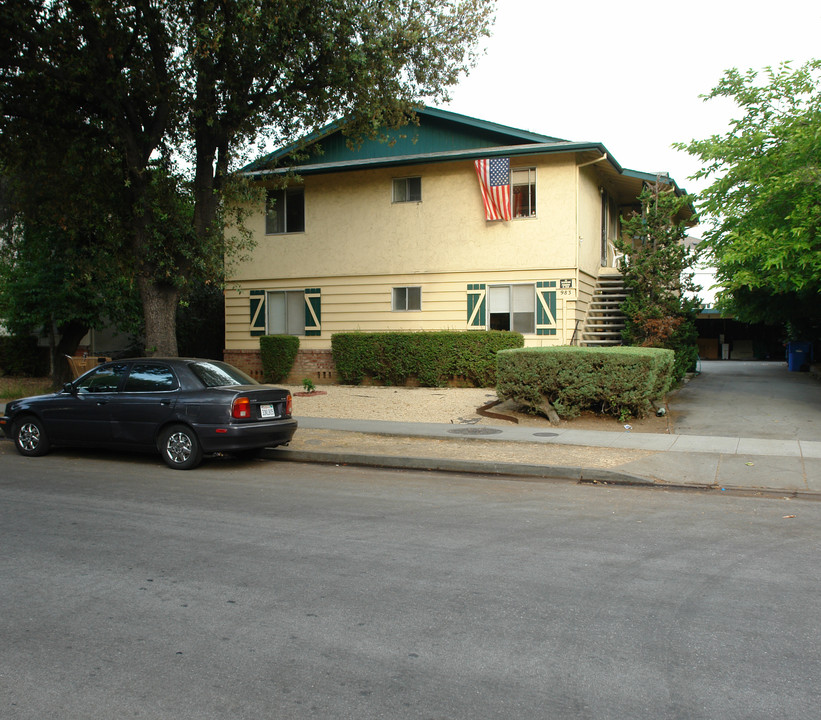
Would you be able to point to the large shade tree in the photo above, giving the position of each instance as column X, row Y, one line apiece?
column 176, row 90
column 764, row 200
column 57, row 273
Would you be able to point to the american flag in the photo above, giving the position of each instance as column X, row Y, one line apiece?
column 494, row 180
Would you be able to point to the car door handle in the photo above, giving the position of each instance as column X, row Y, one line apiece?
column 102, row 402
column 165, row 402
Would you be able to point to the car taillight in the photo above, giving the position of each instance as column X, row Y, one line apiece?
column 289, row 404
column 241, row 408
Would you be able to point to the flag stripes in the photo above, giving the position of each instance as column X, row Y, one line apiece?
column 494, row 181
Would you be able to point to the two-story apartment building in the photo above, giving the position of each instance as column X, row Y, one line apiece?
column 457, row 224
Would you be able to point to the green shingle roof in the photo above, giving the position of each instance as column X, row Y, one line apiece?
column 438, row 132
column 440, row 136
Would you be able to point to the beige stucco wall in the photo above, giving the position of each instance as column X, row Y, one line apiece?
column 589, row 221
column 358, row 245
column 353, row 228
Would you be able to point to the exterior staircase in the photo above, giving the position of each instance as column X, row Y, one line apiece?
column 605, row 319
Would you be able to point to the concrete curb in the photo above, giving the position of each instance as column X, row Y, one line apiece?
column 525, row 472
column 538, row 472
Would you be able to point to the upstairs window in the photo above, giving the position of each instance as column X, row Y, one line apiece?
column 407, row 189
column 523, row 192
column 407, row 298
column 285, row 211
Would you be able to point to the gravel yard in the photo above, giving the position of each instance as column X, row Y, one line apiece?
column 439, row 405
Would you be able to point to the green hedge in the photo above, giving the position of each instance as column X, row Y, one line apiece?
column 432, row 358
column 277, row 353
column 21, row 357
column 620, row 381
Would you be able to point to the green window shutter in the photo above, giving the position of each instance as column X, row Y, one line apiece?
column 257, row 312
column 313, row 311
column 546, row 307
column 477, row 304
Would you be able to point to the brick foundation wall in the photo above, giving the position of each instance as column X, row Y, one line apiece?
column 246, row 360
column 317, row 365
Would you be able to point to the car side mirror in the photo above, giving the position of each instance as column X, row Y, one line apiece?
column 69, row 388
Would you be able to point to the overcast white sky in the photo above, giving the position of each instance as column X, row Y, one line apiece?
column 629, row 74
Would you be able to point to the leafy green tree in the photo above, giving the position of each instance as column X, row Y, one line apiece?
column 661, row 306
column 57, row 269
column 764, row 203
column 45, row 291
column 147, row 80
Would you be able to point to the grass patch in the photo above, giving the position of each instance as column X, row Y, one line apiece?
column 12, row 388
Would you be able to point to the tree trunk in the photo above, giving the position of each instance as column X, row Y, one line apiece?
column 160, row 314
column 550, row 411
column 205, row 199
column 71, row 333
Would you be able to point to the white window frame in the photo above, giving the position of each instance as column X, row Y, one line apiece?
column 405, row 195
column 403, row 292
column 530, row 194
column 300, row 320
column 513, row 304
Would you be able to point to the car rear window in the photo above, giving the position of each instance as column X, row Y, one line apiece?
column 218, row 374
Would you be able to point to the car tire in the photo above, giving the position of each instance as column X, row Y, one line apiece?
column 180, row 447
column 30, row 437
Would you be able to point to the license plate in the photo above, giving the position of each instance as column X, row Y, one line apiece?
column 267, row 411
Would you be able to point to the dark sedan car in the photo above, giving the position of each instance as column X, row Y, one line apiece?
column 180, row 407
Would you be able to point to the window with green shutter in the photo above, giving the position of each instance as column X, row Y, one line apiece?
column 477, row 306
column 286, row 312
column 511, row 307
column 546, row 307
column 313, row 311
column 257, row 312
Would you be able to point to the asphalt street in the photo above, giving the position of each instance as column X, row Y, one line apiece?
column 277, row 590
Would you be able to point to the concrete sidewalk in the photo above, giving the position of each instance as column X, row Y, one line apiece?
column 739, row 426
column 782, row 467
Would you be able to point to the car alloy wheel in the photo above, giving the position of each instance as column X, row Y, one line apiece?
column 180, row 448
column 30, row 437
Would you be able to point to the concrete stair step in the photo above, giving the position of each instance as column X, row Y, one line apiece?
column 605, row 321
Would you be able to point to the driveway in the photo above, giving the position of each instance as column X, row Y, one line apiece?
column 758, row 399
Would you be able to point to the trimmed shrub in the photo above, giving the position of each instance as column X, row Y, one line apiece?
column 278, row 353
column 619, row 381
column 432, row 358
column 21, row 357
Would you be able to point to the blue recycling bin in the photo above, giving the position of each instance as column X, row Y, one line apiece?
column 799, row 355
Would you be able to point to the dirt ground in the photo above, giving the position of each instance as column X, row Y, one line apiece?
column 445, row 405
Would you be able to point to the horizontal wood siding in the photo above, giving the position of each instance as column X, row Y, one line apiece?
column 364, row 304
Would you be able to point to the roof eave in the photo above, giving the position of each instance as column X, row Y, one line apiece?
column 437, row 157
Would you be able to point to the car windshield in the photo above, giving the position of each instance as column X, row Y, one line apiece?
column 218, row 374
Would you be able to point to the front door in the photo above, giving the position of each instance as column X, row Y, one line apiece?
column 83, row 416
